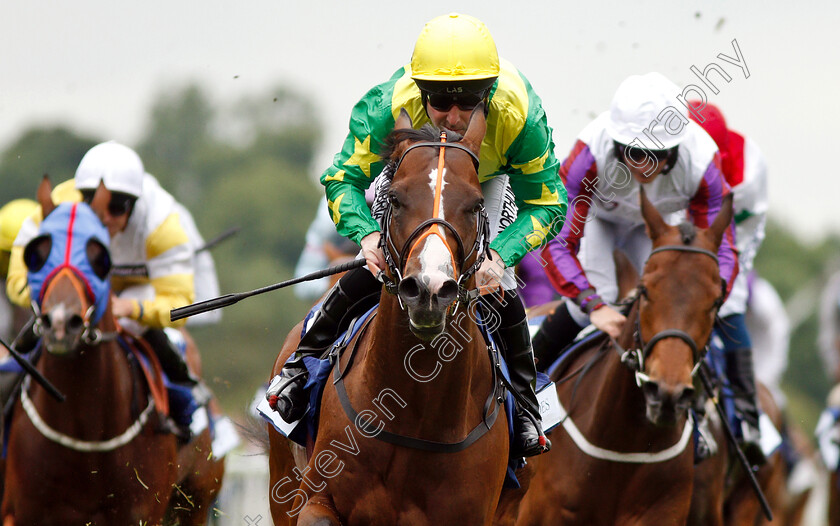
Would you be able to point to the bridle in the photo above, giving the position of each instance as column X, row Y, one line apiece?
column 635, row 357
column 432, row 227
column 90, row 334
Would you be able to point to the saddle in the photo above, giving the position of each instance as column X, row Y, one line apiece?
column 304, row 432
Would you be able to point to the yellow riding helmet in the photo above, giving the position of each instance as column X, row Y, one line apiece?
column 454, row 47
column 11, row 218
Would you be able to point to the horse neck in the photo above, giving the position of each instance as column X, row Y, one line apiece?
column 616, row 399
column 453, row 393
column 620, row 383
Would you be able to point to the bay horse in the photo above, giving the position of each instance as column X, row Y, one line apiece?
column 104, row 455
column 421, row 380
column 723, row 494
column 623, row 454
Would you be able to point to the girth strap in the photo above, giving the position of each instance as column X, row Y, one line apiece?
column 399, row 440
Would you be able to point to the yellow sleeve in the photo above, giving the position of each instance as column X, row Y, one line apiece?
column 17, row 288
column 171, row 292
column 169, row 261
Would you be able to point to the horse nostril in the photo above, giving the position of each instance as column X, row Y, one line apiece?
column 447, row 292
column 685, row 398
column 410, row 288
column 75, row 322
column 651, row 391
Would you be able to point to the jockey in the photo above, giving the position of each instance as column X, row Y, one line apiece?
column 454, row 68
column 535, row 287
column 645, row 139
column 746, row 173
column 12, row 215
column 828, row 339
column 315, row 257
column 151, row 252
column 769, row 327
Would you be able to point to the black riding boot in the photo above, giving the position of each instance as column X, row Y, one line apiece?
column 173, row 364
column 515, row 342
column 290, row 401
column 556, row 332
column 739, row 370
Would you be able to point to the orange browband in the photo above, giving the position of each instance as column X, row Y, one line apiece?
column 434, row 229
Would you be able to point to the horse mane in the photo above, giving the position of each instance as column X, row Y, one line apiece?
column 428, row 133
column 687, row 232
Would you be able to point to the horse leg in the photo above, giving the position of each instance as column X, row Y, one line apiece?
column 286, row 500
column 742, row 506
column 200, row 479
column 319, row 511
column 507, row 510
column 9, row 520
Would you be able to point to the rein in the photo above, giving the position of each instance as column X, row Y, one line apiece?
column 433, row 226
column 634, row 357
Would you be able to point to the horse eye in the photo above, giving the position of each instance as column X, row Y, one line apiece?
column 36, row 252
column 393, row 200
column 99, row 258
column 477, row 207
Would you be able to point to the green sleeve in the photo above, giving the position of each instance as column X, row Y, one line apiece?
column 538, row 190
column 358, row 163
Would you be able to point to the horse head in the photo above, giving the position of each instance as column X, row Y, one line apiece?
column 680, row 293
column 434, row 232
column 68, row 264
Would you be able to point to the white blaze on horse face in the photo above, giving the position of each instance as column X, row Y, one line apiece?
column 58, row 320
column 435, row 258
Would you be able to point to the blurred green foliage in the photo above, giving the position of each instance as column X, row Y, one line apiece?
column 246, row 164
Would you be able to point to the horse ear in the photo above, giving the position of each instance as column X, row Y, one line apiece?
column 100, row 201
column 722, row 220
column 45, row 197
column 625, row 272
column 656, row 226
column 476, row 129
column 403, row 121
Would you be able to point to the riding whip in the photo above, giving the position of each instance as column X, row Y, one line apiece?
column 745, row 464
column 218, row 239
column 33, row 372
column 230, row 299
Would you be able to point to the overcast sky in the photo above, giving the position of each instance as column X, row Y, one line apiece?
column 96, row 65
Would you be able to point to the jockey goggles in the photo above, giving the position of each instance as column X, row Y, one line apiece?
column 121, row 203
column 638, row 156
column 466, row 95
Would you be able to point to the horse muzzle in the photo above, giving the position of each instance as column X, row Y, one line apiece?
column 60, row 332
column 427, row 301
column 664, row 404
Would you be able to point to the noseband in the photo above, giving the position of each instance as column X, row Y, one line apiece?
column 635, row 358
column 90, row 335
column 431, row 227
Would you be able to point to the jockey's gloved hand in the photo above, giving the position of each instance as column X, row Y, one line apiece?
column 607, row 319
column 372, row 253
column 489, row 275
